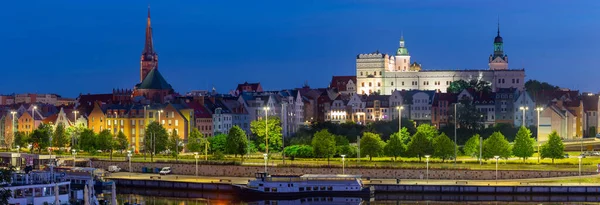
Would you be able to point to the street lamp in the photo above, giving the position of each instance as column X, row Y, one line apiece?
column 455, row 128
column 537, row 133
column 33, row 115
column 74, row 153
column 496, row 157
column 343, row 163
column 266, row 129
column 427, row 160
column 196, row 157
column 399, row 108
column 523, row 108
column 129, row 157
column 265, row 156
column 159, row 112
column 13, row 123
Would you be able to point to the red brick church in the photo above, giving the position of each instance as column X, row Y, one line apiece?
column 153, row 87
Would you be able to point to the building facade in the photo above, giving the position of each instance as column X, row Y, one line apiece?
column 382, row 73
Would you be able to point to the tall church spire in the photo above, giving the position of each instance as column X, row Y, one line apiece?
column 149, row 58
column 149, row 46
column 498, row 25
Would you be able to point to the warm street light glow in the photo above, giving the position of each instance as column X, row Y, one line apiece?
column 265, row 156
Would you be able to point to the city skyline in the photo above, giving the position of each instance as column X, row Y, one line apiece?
column 83, row 49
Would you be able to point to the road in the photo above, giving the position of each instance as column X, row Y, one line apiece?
column 244, row 180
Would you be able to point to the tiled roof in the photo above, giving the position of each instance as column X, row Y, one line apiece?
column 154, row 80
column 590, row 102
column 340, row 82
column 254, row 87
column 450, row 97
column 199, row 110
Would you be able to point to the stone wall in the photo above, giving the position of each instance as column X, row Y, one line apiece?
column 248, row 171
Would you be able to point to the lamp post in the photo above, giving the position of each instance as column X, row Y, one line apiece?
column 266, row 129
column 537, row 133
column 74, row 152
column 73, row 136
column 33, row 115
column 265, row 156
column 13, row 124
column 427, row 160
column 455, row 127
column 196, row 157
column 129, row 158
column 523, row 108
column 343, row 163
column 399, row 108
column 159, row 112
column 496, row 157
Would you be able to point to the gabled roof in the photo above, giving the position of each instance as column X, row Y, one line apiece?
column 155, row 81
column 590, row 102
column 199, row 110
column 254, row 87
column 340, row 82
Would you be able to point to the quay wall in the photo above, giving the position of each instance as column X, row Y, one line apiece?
column 390, row 173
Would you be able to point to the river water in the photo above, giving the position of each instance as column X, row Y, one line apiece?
column 186, row 197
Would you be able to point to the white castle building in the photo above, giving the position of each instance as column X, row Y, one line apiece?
column 383, row 73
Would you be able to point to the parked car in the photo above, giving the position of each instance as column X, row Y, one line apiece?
column 113, row 168
column 165, row 171
column 566, row 155
column 583, row 155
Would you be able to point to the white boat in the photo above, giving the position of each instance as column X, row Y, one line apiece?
column 38, row 188
column 284, row 186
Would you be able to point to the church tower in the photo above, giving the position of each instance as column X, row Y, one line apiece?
column 498, row 61
column 402, row 57
column 149, row 59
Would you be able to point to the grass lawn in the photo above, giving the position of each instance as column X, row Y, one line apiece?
column 589, row 164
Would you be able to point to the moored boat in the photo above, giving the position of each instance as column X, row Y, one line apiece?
column 285, row 186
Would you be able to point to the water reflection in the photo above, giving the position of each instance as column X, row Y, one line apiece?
column 186, row 197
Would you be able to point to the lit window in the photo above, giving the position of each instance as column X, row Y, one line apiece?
column 176, row 122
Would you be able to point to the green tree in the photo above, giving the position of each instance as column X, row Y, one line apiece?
column 21, row 139
column 480, row 85
column 496, row 145
column 105, row 141
column 592, row 132
column 301, row 151
column 371, row 144
column 274, row 128
column 218, row 143
column 60, row 138
column 404, row 135
column 523, row 145
column 87, row 141
column 469, row 116
column 156, row 139
column 457, row 86
column 341, row 140
column 553, row 148
column 419, row 146
column 5, row 178
column 121, row 142
column 40, row 137
column 429, row 131
column 175, row 145
column 236, row 142
column 443, row 147
column 323, row 144
column 196, row 141
column 74, row 132
column 472, row 146
column 394, row 146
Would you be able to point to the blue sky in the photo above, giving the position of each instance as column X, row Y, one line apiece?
column 71, row 47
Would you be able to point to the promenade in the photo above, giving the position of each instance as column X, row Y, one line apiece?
column 555, row 181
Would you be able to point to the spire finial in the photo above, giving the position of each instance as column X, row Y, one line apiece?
column 498, row 25
column 148, row 10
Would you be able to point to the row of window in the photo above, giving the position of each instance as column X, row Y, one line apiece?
column 374, row 73
column 502, row 81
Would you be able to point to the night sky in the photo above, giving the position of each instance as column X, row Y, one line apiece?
column 72, row 47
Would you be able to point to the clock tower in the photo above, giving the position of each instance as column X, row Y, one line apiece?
column 149, row 59
column 498, row 60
